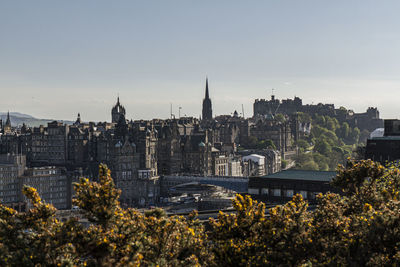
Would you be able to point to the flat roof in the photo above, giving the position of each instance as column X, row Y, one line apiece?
column 385, row 138
column 324, row 176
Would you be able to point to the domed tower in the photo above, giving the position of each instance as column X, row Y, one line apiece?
column 207, row 108
column 117, row 111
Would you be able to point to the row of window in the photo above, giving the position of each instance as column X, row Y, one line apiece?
column 8, row 175
column 47, row 137
column 44, row 172
column 278, row 192
column 8, row 193
column 9, row 199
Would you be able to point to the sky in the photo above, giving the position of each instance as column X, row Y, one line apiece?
column 58, row 58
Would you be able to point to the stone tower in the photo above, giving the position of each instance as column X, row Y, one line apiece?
column 7, row 126
column 207, row 108
column 117, row 111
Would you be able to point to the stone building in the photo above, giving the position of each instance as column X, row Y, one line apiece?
column 52, row 184
column 49, row 145
column 130, row 152
column 282, row 134
column 254, row 165
column 11, row 168
column 78, row 146
column 368, row 120
column 169, row 149
column 124, row 164
column 272, row 161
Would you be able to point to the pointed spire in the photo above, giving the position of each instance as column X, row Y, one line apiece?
column 8, row 121
column 207, row 109
column 207, row 95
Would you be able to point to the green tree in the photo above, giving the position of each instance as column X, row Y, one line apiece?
column 323, row 147
column 301, row 143
column 310, row 165
column 320, row 120
column 344, row 131
column 304, row 117
column 354, row 136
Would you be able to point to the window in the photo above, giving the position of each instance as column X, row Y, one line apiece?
column 254, row 191
column 276, row 192
column 265, row 191
column 289, row 193
column 303, row 193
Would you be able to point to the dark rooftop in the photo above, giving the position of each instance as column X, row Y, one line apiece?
column 325, row 176
column 386, row 138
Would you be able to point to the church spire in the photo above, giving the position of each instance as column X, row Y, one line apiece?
column 207, row 94
column 207, row 107
column 8, row 121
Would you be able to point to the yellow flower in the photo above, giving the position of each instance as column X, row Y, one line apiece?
column 191, row 231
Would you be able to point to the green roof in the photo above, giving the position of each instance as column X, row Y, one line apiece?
column 323, row 176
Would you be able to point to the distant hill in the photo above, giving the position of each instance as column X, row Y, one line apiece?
column 17, row 119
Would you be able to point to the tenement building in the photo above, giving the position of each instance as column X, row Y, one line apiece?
column 11, row 168
column 52, row 183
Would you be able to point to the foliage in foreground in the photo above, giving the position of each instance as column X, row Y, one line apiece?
column 360, row 228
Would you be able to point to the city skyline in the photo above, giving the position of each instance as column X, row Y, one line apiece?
column 58, row 59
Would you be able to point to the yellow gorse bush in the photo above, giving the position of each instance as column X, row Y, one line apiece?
column 360, row 228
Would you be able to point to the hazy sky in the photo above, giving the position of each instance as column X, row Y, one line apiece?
column 58, row 58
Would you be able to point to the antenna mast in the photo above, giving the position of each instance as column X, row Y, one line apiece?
column 242, row 110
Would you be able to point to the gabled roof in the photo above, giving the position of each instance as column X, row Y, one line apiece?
column 322, row 176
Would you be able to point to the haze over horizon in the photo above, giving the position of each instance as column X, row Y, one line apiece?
column 60, row 58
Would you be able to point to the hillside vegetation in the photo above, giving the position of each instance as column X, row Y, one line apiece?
column 329, row 143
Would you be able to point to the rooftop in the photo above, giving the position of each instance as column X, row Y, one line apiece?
column 325, row 176
column 386, row 138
